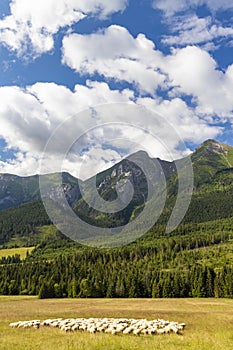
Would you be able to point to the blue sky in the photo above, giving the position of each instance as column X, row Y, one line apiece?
column 62, row 57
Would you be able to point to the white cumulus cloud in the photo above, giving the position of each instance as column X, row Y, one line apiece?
column 183, row 118
column 31, row 25
column 115, row 53
column 30, row 116
column 190, row 71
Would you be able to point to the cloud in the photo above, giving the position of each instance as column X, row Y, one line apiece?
column 170, row 7
column 102, row 8
column 30, row 116
column 183, row 118
column 20, row 115
column 186, row 72
column 114, row 53
column 99, row 158
column 191, row 29
column 193, row 72
column 32, row 24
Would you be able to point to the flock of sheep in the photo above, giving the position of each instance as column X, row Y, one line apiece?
column 106, row 325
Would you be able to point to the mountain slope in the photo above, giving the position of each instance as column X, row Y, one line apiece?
column 195, row 260
column 210, row 158
column 115, row 179
column 213, row 177
column 16, row 190
column 212, row 198
column 213, row 187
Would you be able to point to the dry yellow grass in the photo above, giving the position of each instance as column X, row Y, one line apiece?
column 12, row 251
column 209, row 323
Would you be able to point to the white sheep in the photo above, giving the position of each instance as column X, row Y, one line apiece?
column 107, row 325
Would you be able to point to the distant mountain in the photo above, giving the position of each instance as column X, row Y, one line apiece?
column 212, row 198
column 16, row 190
column 212, row 165
column 213, row 179
column 210, row 158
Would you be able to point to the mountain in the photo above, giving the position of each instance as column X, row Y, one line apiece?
column 138, row 169
column 16, row 190
column 212, row 168
column 194, row 260
column 212, row 198
column 21, row 208
column 210, row 158
column 213, row 178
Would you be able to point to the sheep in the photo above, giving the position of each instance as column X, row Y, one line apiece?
column 83, row 327
column 107, row 325
column 92, row 330
column 120, row 327
column 26, row 325
column 21, row 325
column 136, row 331
column 14, row 324
column 36, row 326
column 160, row 331
column 66, row 328
column 75, row 327
column 167, row 329
column 109, row 329
column 101, row 329
column 46, row 322
column 128, row 330
column 182, row 325
column 151, row 330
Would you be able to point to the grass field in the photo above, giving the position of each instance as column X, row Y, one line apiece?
column 209, row 323
column 12, row 251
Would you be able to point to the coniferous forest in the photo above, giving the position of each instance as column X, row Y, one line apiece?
column 94, row 274
column 183, row 265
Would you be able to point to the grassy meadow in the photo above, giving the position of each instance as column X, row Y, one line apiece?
column 209, row 323
column 12, row 251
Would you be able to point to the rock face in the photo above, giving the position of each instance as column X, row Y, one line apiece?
column 116, row 181
column 107, row 325
column 212, row 146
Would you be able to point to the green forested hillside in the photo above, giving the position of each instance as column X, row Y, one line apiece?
column 212, row 198
column 19, row 224
column 196, row 259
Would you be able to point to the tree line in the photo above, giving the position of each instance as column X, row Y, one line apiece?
column 111, row 274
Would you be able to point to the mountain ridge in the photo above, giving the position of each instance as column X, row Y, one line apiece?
column 194, row 260
column 213, row 183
